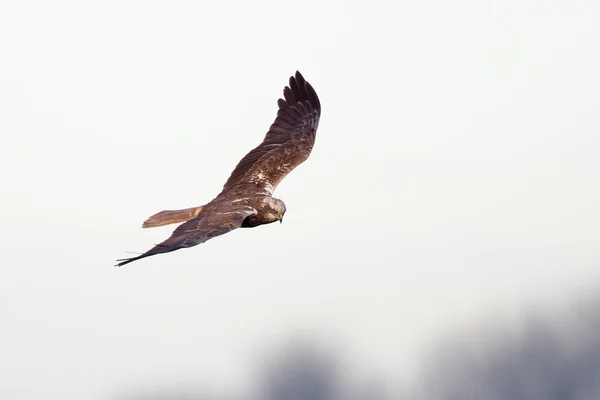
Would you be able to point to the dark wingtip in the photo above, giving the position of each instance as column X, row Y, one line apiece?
column 300, row 90
column 123, row 261
column 157, row 249
column 300, row 79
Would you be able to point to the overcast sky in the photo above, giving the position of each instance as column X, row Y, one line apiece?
column 455, row 176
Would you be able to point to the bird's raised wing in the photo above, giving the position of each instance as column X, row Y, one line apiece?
column 212, row 222
column 288, row 142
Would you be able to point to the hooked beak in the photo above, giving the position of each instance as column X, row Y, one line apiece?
column 281, row 220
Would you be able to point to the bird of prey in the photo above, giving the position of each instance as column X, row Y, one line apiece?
column 246, row 200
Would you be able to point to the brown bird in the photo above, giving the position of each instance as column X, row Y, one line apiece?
column 246, row 199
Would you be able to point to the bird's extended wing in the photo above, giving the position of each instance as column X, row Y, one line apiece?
column 211, row 223
column 288, row 142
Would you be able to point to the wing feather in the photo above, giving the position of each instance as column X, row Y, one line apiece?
column 288, row 142
column 212, row 223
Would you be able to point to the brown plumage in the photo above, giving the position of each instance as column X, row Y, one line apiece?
column 246, row 199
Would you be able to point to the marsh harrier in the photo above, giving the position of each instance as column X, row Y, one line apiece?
column 247, row 198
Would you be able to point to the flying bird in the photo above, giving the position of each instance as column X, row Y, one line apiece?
column 247, row 198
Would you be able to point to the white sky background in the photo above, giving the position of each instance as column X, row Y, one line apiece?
column 455, row 176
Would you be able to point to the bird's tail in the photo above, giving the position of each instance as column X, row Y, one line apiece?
column 167, row 217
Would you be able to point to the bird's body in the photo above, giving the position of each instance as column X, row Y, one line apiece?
column 246, row 199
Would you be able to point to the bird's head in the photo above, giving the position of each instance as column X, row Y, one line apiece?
column 275, row 209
